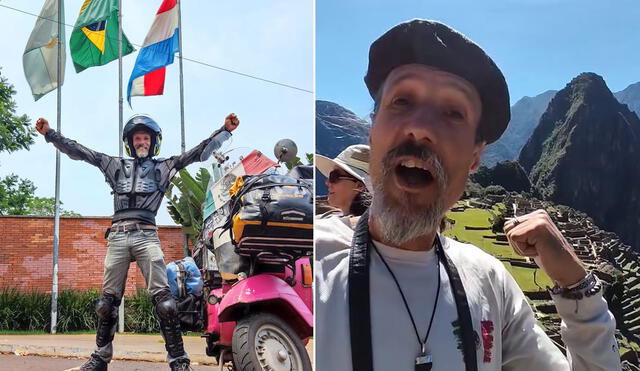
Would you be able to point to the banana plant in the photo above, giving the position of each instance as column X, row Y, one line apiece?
column 297, row 161
column 185, row 208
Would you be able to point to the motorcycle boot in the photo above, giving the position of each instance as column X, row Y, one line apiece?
column 167, row 313
column 181, row 364
column 95, row 363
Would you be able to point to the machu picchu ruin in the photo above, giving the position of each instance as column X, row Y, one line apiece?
column 479, row 220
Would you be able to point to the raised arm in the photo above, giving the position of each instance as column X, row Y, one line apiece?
column 231, row 122
column 107, row 164
column 588, row 328
column 71, row 148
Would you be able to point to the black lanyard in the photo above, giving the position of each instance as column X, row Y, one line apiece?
column 423, row 361
column 359, row 301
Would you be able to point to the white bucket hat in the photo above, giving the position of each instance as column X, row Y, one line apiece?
column 354, row 160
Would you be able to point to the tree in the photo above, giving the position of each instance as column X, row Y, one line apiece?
column 17, row 198
column 46, row 206
column 296, row 161
column 186, row 209
column 17, row 194
column 508, row 174
column 15, row 131
column 494, row 190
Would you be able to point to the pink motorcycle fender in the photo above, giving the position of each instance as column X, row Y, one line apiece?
column 271, row 294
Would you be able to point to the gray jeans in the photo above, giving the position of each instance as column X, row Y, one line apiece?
column 122, row 248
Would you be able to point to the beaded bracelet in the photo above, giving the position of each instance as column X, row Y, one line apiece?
column 589, row 286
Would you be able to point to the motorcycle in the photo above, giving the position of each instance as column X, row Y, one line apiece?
column 264, row 319
column 259, row 317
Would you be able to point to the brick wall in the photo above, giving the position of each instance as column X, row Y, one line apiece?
column 26, row 250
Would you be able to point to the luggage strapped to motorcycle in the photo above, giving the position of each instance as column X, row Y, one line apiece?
column 294, row 243
column 359, row 301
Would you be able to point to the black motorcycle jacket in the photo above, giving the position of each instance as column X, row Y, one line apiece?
column 138, row 185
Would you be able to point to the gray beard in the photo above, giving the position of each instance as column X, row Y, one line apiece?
column 141, row 153
column 399, row 219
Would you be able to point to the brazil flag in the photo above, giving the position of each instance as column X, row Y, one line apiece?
column 94, row 40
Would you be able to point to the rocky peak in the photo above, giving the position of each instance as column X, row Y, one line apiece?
column 585, row 153
column 525, row 115
column 336, row 129
column 631, row 97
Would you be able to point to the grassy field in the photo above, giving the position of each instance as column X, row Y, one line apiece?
column 482, row 218
column 529, row 279
column 478, row 218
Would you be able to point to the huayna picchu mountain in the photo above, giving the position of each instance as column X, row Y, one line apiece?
column 585, row 153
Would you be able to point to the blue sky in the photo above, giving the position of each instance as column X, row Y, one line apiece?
column 538, row 44
column 274, row 42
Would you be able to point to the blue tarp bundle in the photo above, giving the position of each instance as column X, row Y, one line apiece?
column 192, row 278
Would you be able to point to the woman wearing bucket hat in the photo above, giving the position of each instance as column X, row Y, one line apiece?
column 347, row 179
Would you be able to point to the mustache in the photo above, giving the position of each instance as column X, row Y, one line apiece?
column 410, row 148
column 421, row 152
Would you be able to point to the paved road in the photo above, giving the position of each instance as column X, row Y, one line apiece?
column 24, row 363
column 61, row 352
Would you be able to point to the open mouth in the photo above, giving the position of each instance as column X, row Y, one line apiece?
column 412, row 173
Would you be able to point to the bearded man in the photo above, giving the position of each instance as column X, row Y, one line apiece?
column 138, row 186
column 395, row 294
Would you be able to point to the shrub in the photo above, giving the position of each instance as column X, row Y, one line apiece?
column 24, row 311
column 31, row 311
column 139, row 313
column 76, row 310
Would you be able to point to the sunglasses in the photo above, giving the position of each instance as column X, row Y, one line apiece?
column 336, row 176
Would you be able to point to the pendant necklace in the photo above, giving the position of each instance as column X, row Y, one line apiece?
column 423, row 360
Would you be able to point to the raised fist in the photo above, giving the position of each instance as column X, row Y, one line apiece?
column 536, row 236
column 42, row 126
column 231, row 122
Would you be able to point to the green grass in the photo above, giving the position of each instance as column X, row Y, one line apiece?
column 526, row 280
column 482, row 218
column 478, row 218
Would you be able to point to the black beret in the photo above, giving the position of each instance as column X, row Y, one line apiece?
column 437, row 45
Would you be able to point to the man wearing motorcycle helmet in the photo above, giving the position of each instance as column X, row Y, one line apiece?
column 138, row 185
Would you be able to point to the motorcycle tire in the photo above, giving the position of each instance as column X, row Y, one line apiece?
column 262, row 341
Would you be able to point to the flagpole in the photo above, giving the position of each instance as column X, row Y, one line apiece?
column 182, row 144
column 120, row 152
column 181, row 75
column 120, row 78
column 56, row 217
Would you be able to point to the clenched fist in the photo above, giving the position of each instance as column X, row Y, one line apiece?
column 42, row 126
column 534, row 235
column 231, row 122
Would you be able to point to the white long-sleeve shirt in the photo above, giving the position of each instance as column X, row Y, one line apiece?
column 508, row 337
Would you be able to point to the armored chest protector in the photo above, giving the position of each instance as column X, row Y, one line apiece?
column 135, row 182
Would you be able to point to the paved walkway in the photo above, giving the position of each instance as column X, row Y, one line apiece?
column 126, row 347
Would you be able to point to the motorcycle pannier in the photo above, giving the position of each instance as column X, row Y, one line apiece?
column 272, row 211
